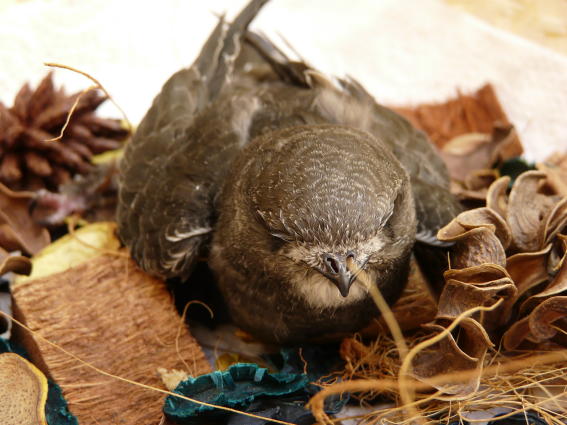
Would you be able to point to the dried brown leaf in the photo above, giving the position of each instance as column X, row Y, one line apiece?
column 14, row 213
column 466, row 153
column 527, row 270
column 458, row 296
column 555, row 168
column 450, row 356
column 475, row 240
column 485, row 217
column 14, row 263
column 528, row 210
column 496, row 198
column 539, row 325
column 556, row 221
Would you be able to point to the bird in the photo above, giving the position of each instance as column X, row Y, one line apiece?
column 279, row 175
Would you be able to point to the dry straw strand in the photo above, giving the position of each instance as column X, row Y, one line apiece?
column 97, row 85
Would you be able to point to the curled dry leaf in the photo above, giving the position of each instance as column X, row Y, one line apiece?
column 556, row 221
column 475, row 186
column 527, row 270
column 479, row 235
column 18, row 229
column 496, row 197
column 14, row 263
column 458, row 296
column 449, row 356
column 470, row 287
column 528, row 210
column 23, row 391
column 490, row 219
column 555, row 168
column 539, row 325
column 467, row 153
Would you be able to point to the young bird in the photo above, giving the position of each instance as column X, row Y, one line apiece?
column 283, row 176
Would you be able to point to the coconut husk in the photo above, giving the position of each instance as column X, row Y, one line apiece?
column 118, row 319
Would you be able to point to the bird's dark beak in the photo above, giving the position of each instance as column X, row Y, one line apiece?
column 337, row 272
column 344, row 282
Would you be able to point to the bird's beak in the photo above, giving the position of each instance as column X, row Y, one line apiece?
column 343, row 281
column 337, row 271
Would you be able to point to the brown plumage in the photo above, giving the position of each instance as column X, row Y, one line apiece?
column 281, row 174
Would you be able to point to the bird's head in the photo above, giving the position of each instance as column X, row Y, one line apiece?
column 314, row 207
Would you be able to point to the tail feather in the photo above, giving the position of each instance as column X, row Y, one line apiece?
column 216, row 59
column 291, row 72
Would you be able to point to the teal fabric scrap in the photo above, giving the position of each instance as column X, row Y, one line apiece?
column 253, row 389
column 56, row 410
column 237, row 387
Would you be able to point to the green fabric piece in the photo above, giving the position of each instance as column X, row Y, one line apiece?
column 251, row 388
column 56, row 410
column 237, row 387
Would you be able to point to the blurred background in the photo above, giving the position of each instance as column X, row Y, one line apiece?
column 404, row 52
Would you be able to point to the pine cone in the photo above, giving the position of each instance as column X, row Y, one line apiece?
column 28, row 161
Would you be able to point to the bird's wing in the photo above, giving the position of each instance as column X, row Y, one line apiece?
column 171, row 170
column 346, row 102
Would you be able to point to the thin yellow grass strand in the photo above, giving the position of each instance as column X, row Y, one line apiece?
column 98, row 84
column 70, row 114
column 383, row 306
column 180, row 328
column 387, row 314
column 139, row 384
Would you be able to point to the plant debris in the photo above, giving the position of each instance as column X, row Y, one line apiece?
column 31, row 159
column 23, row 391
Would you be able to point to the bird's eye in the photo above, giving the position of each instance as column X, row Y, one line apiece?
column 277, row 241
column 331, row 263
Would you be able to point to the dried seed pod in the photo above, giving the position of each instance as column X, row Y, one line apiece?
column 28, row 160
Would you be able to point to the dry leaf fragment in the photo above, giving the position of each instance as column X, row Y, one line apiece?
column 450, row 356
column 17, row 224
column 557, row 286
column 475, row 186
column 71, row 250
column 478, row 246
column 23, row 392
column 555, row 168
column 539, row 325
column 14, row 263
column 496, row 199
column 527, row 270
column 556, row 221
column 458, row 296
column 486, row 217
column 474, row 232
column 468, row 153
column 527, row 211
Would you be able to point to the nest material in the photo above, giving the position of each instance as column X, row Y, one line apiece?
column 29, row 161
column 116, row 318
